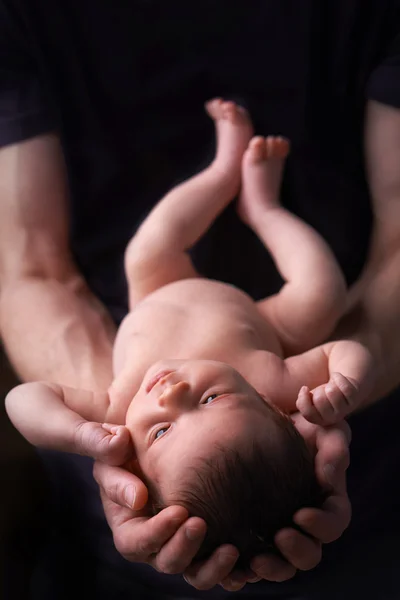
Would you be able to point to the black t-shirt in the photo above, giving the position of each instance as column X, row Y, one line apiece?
column 124, row 84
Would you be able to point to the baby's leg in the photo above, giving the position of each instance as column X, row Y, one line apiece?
column 308, row 306
column 157, row 254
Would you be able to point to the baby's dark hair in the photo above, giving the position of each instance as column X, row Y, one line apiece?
column 249, row 492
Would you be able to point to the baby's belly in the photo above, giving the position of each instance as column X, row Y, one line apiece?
column 191, row 319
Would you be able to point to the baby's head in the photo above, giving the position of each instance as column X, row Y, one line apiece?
column 206, row 440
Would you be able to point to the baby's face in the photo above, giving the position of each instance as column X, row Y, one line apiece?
column 183, row 409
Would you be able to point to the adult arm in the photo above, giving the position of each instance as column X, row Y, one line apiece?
column 373, row 317
column 53, row 327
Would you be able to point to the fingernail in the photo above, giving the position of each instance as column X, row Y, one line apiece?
column 330, row 474
column 193, row 534
column 225, row 560
column 235, row 585
column 130, row 496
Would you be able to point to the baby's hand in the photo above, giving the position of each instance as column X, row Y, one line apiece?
column 107, row 443
column 329, row 403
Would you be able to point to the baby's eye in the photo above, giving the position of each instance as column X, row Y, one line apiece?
column 210, row 398
column 160, row 432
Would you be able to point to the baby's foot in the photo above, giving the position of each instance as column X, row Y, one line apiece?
column 329, row 403
column 234, row 130
column 262, row 169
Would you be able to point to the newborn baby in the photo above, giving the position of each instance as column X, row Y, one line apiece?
column 206, row 378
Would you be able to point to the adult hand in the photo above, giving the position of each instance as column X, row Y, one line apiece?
column 170, row 540
column 167, row 541
column 303, row 552
column 322, row 525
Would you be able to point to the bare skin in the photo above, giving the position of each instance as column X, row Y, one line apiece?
column 175, row 314
column 45, row 281
column 46, row 304
column 192, row 318
column 45, row 276
column 226, row 326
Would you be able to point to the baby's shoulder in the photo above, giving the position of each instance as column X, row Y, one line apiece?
column 264, row 370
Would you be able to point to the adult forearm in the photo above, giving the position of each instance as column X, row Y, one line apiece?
column 374, row 315
column 374, row 318
column 56, row 330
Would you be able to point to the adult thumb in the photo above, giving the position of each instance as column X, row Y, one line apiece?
column 121, row 486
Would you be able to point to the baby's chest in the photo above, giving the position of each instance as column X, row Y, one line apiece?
column 160, row 331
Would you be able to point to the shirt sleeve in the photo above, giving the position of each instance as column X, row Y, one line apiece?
column 25, row 111
column 384, row 82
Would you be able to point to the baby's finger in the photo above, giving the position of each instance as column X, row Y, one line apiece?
column 323, row 406
column 177, row 554
column 207, row 574
column 120, row 445
column 342, row 394
column 338, row 403
column 304, row 404
column 92, row 439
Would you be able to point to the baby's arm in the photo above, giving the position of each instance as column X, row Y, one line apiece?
column 334, row 380
column 54, row 417
column 349, row 366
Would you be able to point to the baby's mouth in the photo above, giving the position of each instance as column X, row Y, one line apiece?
column 154, row 380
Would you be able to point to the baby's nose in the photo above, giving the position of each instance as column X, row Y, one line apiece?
column 174, row 393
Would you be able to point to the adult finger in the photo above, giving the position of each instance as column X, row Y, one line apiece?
column 326, row 524
column 206, row 574
column 178, row 552
column 121, row 486
column 139, row 538
column 300, row 551
column 333, row 456
column 238, row 578
column 272, row 568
